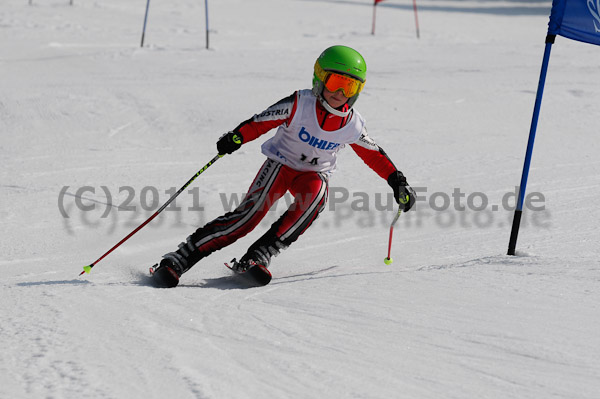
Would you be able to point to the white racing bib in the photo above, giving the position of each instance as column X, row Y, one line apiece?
column 304, row 146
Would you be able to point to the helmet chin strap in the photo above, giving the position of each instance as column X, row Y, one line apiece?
column 332, row 110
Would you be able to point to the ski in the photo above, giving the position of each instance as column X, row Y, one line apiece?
column 256, row 275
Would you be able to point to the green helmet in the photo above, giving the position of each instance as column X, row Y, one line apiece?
column 343, row 60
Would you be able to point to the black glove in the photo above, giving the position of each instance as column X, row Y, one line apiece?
column 229, row 142
column 403, row 193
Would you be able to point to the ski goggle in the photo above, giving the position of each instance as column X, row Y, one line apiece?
column 336, row 81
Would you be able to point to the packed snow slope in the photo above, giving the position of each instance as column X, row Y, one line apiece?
column 97, row 132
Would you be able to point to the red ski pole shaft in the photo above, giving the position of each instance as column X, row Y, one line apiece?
column 389, row 259
column 88, row 268
column 390, row 242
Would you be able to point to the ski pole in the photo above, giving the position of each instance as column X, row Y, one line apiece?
column 88, row 268
column 389, row 260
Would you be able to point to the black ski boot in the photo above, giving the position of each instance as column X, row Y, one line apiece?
column 166, row 274
column 254, row 264
column 256, row 273
column 174, row 264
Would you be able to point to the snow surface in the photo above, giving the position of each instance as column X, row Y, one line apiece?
column 81, row 104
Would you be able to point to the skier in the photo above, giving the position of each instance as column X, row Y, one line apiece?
column 312, row 126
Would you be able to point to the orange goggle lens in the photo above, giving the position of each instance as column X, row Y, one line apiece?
column 335, row 81
column 350, row 87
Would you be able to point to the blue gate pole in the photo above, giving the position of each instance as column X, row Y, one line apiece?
column 536, row 113
column 145, row 20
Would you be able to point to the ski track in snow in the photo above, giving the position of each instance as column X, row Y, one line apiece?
column 82, row 105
